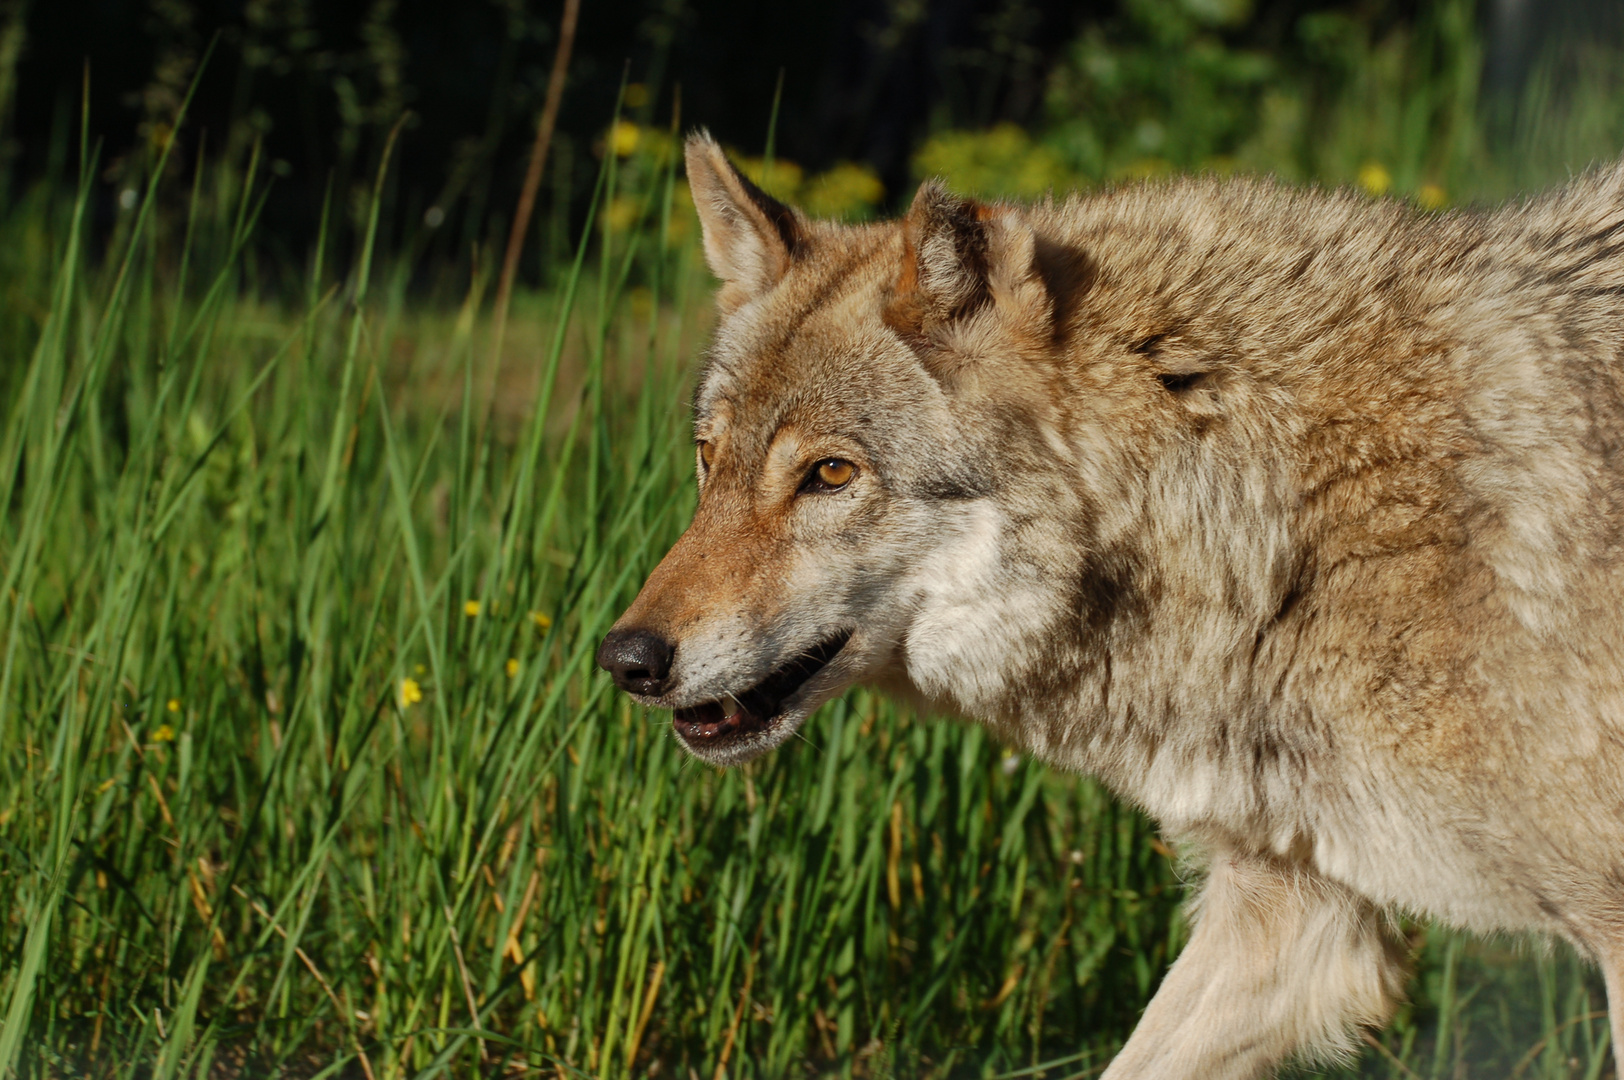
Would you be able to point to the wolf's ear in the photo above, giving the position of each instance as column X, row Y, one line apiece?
column 960, row 256
column 750, row 238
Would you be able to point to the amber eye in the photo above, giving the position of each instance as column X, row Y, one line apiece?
column 706, row 452
column 833, row 473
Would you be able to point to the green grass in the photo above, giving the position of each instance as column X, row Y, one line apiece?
column 296, row 782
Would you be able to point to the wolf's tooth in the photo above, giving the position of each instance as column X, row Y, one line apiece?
column 730, row 706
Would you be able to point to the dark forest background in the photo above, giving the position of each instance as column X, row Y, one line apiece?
column 315, row 85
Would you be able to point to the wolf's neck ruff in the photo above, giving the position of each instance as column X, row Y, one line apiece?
column 1293, row 515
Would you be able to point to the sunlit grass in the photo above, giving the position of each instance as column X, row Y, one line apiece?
column 308, row 770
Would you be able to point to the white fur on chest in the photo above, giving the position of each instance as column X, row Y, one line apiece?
column 976, row 614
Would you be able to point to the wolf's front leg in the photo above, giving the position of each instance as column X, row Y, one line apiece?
column 1282, row 963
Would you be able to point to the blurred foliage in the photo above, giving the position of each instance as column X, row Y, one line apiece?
column 1002, row 161
column 1161, row 87
column 1394, row 108
column 1448, row 99
column 847, row 191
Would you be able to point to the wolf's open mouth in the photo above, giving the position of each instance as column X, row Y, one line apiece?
column 756, row 708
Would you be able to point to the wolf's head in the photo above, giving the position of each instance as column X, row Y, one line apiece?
column 854, row 445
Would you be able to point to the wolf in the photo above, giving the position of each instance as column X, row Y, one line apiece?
column 1293, row 515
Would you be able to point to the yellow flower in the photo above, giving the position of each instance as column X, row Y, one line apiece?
column 1374, row 178
column 470, row 608
column 174, row 704
column 512, row 666
column 1431, row 197
column 410, row 692
column 621, row 213
column 543, row 621
column 623, row 138
column 165, row 733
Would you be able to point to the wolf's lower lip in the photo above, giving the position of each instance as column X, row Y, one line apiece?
column 708, row 724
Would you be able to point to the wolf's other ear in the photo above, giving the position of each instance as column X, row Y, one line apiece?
column 959, row 256
column 750, row 237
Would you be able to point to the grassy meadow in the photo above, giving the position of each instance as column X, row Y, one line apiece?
column 306, row 770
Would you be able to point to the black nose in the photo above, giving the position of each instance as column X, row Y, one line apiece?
column 639, row 660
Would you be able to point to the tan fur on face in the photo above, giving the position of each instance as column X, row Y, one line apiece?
column 1296, row 517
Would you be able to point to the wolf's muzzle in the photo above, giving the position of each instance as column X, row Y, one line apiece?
column 714, row 723
column 640, row 660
